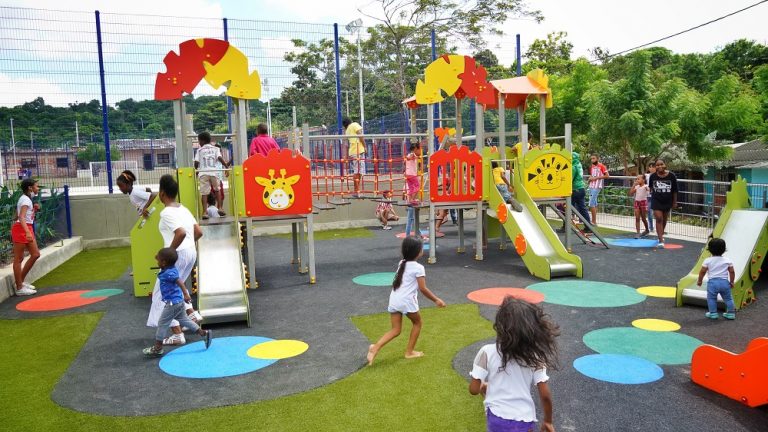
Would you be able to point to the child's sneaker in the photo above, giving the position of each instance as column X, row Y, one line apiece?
column 25, row 291
column 28, row 285
column 644, row 233
column 712, row 315
column 386, row 227
column 151, row 352
column 637, row 236
column 729, row 315
column 660, row 245
column 208, row 337
column 175, row 339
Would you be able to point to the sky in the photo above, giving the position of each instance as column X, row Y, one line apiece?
column 51, row 51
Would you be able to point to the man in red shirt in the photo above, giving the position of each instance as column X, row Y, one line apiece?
column 262, row 143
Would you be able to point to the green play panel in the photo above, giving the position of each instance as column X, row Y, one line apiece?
column 584, row 293
column 668, row 348
column 375, row 279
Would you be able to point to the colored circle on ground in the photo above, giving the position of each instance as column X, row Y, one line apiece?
column 618, row 368
column 437, row 234
column 277, row 349
column 57, row 301
column 585, row 293
column 672, row 246
column 658, row 325
column 224, row 358
column 494, row 296
column 632, row 243
column 375, row 279
column 659, row 347
column 106, row 292
column 658, row 291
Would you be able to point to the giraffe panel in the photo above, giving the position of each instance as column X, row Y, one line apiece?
column 277, row 185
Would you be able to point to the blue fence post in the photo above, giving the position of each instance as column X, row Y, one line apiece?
column 104, row 109
column 229, row 99
column 67, row 211
column 436, row 122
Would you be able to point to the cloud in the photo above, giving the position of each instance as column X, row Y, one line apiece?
column 15, row 91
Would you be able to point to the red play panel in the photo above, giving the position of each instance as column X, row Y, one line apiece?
column 494, row 296
column 58, row 301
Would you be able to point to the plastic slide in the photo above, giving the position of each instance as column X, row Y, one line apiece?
column 742, row 377
column 536, row 242
column 222, row 295
column 745, row 231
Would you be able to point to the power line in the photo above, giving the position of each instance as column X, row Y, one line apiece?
column 680, row 32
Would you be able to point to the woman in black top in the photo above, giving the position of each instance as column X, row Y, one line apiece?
column 664, row 188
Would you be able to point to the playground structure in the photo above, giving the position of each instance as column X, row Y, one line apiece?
column 745, row 231
column 741, row 377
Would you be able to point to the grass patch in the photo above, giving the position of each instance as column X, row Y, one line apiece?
column 424, row 394
column 89, row 266
column 336, row 234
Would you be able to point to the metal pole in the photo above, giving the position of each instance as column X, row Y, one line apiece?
column 338, row 77
column 13, row 145
column 229, row 100
column 104, row 109
column 519, row 60
column 269, row 117
column 568, row 205
column 502, row 128
column 360, row 78
column 67, row 211
column 542, row 119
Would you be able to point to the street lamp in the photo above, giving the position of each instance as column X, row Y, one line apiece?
column 355, row 27
column 265, row 86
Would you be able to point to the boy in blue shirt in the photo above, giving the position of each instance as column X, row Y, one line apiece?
column 174, row 295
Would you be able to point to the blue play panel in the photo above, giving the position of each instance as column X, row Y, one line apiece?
column 226, row 357
column 633, row 242
column 618, row 368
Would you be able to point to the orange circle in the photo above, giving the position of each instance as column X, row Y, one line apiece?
column 520, row 244
column 501, row 212
column 58, row 301
column 494, row 296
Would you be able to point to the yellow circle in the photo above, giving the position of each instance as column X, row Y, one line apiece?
column 277, row 349
column 658, row 291
column 659, row 325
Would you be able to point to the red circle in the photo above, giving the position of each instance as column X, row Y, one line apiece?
column 672, row 246
column 437, row 234
column 494, row 296
column 58, row 301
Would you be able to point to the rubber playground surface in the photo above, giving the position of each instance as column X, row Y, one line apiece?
column 624, row 348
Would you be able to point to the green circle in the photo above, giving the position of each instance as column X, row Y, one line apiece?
column 375, row 279
column 668, row 348
column 107, row 292
column 584, row 293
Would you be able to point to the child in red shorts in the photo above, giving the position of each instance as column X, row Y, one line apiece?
column 640, row 190
column 23, row 237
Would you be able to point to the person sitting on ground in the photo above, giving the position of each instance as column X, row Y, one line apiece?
column 262, row 143
column 505, row 189
column 385, row 212
column 175, row 296
column 721, row 278
column 205, row 161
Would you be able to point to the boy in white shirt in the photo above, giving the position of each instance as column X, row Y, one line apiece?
column 719, row 270
column 206, row 160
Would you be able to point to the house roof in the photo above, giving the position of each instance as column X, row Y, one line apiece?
column 752, row 154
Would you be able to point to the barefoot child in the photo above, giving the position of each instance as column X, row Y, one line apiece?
column 403, row 300
column 385, row 212
column 505, row 371
column 640, row 190
column 23, row 237
column 174, row 295
column 140, row 198
column 719, row 270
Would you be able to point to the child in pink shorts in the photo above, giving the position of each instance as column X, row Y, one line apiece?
column 412, row 172
column 640, row 190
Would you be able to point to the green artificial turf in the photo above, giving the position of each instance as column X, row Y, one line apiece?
column 423, row 394
column 89, row 266
column 336, row 234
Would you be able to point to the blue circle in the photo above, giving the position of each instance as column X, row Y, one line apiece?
column 224, row 358
column 633, row 243
column 618, row 368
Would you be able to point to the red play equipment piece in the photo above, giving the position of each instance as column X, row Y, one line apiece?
column 456, row 175
column 278, row 184
column 185, row 70
column 742, row 377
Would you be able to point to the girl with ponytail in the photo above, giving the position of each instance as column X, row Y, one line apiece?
column 139, row 198
column 403, row 300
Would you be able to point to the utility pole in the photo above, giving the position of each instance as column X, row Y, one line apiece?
column 356, row 26
column 77, row 135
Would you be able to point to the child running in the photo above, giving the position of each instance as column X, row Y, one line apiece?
column 403, row 300
column 23, row 237
column 385, row 212
column 502, row 184
column 141, row 199
column 174, row 295
column 640, row 190
column 505, row 371
column 720, row 277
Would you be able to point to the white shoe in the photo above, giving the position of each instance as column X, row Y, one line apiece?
column 660, row 245
column 196, row 317
column 386, row 227
column 24, row 291
column 175, row 339
column 28, row 285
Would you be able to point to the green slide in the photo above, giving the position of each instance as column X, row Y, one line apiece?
column 745, row 231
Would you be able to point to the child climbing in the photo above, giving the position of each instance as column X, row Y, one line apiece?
column 140, row 198
column 174, row 296
column 505, row 189
column 180, row 231
column 412, row 172
column 719, row 270
column 505, row 371
column 640, row 190
column 385, row 212
column 206, row 160
column 23, row 237
column 403, row 300
column 212, row 211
